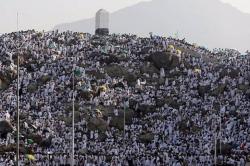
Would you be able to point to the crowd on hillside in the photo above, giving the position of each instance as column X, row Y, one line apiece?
column 193, row 113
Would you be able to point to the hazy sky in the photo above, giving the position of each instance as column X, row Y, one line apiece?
column 45, row 14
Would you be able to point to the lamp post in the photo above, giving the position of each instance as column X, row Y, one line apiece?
column 126, row 104
column 213, row 130
column 17, row 101
column 124, row 122
column 18, row 126
column 73, row 120
column 220, row 133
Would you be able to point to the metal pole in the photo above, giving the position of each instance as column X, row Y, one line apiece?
column 18, row 126
column 215, row 151
column 17, row 154
column 220, row 133
column 73, row 122
column 215, row 148
column 124, row 122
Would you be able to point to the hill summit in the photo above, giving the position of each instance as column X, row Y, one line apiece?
column 210, row 23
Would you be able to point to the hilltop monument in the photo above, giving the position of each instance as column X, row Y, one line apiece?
column 102, row 22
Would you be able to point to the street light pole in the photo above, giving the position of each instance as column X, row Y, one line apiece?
column 73, row 121
column 215, row 143
column 220, row 133
column 124, row 123
column 18, row 129
column 215, row 151
column 17, row 145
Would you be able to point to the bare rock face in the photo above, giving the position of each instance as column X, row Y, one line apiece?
column 110, row 59
column 5, row 127
column 146, row 137
column 97, row 124
column 225, row 148
column 164, row 60
column 118, row 71
column 202, row 90
column 118, row 121
column 3, row 82
column 248, row 93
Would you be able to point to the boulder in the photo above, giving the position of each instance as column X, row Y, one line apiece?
column 144, row 109
column 85, row 95
column 172, row 102
column 225, row 148
column 118, row 121
column 96, row 74
column 202, row 90
column 114, row 70
column 44, row 79
column 119, row 85
column 32, row 87
column 164, row 60
column 119, row 71
column 130, row 78
column 244, row 88
column 97, row 124
column 46, row 142
column 2, row 85
column 5, row 127
column 233, row 73
column 191, row 129
column 36, row 138
column 11, row 148
column 110, row 59
column 68, row 119
column 21, row 59
column 219, row 90
column 4, row 81
column 247, row 77
column 149, row 69
column 160, row 102
column 146, row 137
column 248, row 93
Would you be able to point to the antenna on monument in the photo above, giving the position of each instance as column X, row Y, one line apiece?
column 17, row 21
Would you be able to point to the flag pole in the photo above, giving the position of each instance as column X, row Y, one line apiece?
column 73, row 121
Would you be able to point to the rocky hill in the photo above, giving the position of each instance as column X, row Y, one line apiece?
column 168, row 93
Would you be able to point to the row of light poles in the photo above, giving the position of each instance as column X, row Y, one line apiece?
column 18, row 115
column 18, row 104
column 73, row 120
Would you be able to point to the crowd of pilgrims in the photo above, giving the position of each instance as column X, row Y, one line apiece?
column 194, row 129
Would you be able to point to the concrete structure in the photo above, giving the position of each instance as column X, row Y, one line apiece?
column 102, row 22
